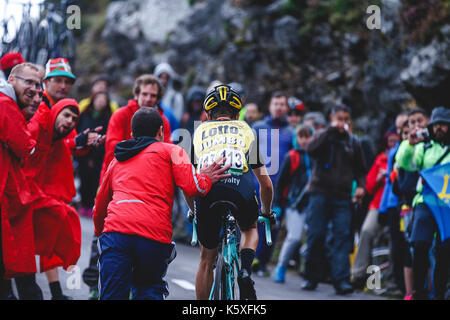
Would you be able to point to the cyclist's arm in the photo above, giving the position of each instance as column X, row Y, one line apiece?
column 265, row 188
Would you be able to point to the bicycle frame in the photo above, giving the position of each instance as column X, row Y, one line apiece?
column 229, row 252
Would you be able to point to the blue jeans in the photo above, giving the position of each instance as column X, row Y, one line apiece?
column 322, row 209
column 133, row 263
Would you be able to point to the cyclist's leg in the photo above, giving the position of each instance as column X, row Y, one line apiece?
column 208, row 230
column 205, row 277
column 247, row 218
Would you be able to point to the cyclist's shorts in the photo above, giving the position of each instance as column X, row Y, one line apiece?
column 238, row 190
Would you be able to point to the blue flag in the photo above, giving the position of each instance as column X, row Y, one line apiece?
column 436, row 195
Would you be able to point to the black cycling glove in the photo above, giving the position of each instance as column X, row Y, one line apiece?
column 81, row 140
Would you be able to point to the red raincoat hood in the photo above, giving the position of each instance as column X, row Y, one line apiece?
column 55, row 110
column 55, row 177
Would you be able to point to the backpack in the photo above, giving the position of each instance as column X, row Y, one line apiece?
column 300, row 200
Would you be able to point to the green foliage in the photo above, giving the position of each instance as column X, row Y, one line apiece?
column 341, row 14
column 294, row 8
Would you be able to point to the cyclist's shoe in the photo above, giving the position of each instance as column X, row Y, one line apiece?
column 309, row 285
column 279, row 274
column 408, row 297
column 246, row 286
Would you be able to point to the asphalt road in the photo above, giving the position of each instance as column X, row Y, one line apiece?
column 181, row 278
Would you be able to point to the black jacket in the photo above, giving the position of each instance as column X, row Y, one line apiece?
column 337, row 160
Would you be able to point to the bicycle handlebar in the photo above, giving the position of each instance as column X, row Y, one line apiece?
column 266, row 221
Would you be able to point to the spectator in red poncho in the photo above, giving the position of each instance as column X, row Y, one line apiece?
column 56, row 224
column 58, row 81
column 16, row 144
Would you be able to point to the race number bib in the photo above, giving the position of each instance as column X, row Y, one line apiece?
column 235, row 157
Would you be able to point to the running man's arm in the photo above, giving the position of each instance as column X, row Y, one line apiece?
column 103, row 198
column 265, row 189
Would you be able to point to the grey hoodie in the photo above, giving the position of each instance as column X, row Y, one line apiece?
column 8, row 89
column 171, row 99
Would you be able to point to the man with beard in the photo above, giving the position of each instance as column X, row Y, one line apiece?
column 16, row 144
column 56, row 224
column 416, row 154
column 58, row 81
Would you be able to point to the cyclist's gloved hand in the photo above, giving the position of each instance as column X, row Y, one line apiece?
column 81, row 140
column 271, row 216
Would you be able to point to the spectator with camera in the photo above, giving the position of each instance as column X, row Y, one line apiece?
column 337, row 159
column 425, row 149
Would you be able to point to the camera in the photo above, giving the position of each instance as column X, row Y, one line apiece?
column 422, row 134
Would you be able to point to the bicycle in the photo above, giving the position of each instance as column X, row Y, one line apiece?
column 227, row 265
column 24, row 35
column 9, row 31
column 52, row 39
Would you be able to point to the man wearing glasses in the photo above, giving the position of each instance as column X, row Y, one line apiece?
column 16, row 145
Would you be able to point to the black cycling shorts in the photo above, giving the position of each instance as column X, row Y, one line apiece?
column 209, row 220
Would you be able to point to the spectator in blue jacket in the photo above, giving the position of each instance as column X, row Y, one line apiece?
column 390, row 213
column 275, row 140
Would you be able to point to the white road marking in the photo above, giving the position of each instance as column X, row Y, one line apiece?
column 184, row 284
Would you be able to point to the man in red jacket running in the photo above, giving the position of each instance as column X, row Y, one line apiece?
column 133, row 209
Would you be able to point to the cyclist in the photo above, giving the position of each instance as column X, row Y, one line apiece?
column 223, row 135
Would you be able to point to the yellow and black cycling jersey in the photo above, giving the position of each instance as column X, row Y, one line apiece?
column 232, row 139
